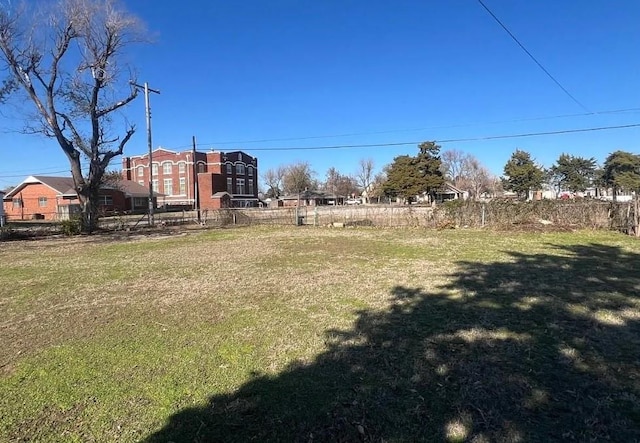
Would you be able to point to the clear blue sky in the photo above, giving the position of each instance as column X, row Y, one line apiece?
column 234, row 72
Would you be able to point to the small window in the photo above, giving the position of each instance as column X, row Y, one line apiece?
column 182, row 167
column 154, row 185
column 230, row 185
column 250, row 171
column 42, row 202
column 183, row 186
column 17, row 203
column 240, row 186
column 250, row 186
column 168, row 186
column 154, row 169
column 140, row 202
column 229, row 169
column 240, row 169
column 140, row 171
column 200, row 168
column 105, row 200
column 166, row 168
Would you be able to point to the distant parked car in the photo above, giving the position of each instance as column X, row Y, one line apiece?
column 353, row 201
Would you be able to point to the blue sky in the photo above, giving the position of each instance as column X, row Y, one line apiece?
column 302, row 74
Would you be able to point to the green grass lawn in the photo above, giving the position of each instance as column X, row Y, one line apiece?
column 302, row 334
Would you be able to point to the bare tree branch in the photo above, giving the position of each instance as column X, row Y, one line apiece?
column 50, row 58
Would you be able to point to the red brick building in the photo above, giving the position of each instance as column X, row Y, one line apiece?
column 219, row 179
column 54, row 198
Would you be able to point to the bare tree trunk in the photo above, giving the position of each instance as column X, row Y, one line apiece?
column 89, row 205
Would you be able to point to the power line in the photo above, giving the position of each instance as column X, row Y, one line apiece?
column 37, row 173
column 461, row 125
column 43, row 171
column 533, row 58
column 451, row 140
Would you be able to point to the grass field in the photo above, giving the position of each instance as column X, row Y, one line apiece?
column 265, row 334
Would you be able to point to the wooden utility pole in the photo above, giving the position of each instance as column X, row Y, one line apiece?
column 147, row 108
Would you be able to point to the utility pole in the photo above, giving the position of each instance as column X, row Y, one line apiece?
column 196, row 197
column 147, row 108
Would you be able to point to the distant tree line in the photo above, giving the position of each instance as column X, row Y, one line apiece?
column 408, row 177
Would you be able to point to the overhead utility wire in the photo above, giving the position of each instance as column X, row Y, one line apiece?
column 533, row 58
column 461, row 125
column 451, row 140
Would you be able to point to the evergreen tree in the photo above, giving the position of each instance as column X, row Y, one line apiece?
column 522, row 174
column 573, row 173
column 402, row 178
column 430, row 168
column 409, row 176
column 622, row 172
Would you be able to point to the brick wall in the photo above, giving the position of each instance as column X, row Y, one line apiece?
column 35, row 198
column 240, row 167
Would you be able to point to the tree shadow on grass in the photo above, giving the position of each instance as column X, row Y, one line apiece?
column 543, row 347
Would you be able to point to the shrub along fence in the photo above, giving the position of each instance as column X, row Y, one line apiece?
column 498, row 214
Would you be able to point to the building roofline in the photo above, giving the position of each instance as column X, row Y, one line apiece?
column 42, row 179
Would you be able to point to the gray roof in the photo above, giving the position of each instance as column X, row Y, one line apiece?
column 61, row 185
column 133, row 189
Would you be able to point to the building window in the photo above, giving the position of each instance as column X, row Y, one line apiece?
column 200, row 168
column 140, row 202
column 154, row 169
column 229, row 169
column 250, row 186
column 17, row 203
column 168, row 186
column 240, row 169
column 154, row 185
column 105, row 200
column 42, row 202
column 140, row 171
column 183, row 186
column 250, row 171
column 240, row 186
column 166, row 168
column 230, row 185
column 182, row 167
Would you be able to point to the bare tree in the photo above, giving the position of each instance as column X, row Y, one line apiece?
column 273, row 180
column 466, row 172
column 298, row 177
column 376, row 189
column 477, row 178
column 453, row 163
column 364, row 176
column 66, row 60
column 339, row 184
